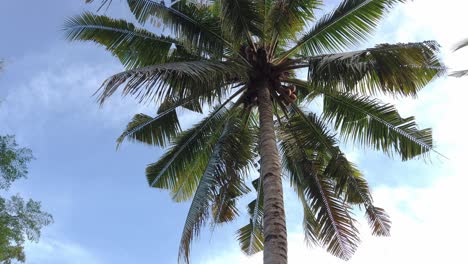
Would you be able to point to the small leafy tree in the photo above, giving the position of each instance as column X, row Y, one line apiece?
column 19, row 219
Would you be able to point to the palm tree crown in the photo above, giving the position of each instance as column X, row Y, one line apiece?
column 228, row 55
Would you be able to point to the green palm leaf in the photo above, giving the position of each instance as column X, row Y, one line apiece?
column 194, row 24
column 240, row 19
column 400, row 69
column 348, row 25
column 370, row 123
column 238, row 159
column 189, row 78
column 315, row 134
column 337, row 231
column 229, row 189
column 329, row 221
column 191, row 149
column 198, row 211
column 292, row 154
column 347, row 179
column 161, row 129
column 148, row 130
column 288, row 17
column 250, row 236
column 134, row 47
column 353, row 187
column 229, row 158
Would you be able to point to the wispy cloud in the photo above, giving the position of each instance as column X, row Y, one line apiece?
column 52, row 251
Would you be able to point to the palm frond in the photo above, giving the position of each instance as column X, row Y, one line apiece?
column 251, row 236
column 349, row 182
column 264, row 7
column 229, row 157
column 286, row 18
column 301, row 159
column 337, row 230
column 161, row 129
column 152, row 131
column 378, row 220
column 171, row 103
column 351, row 23
column 310, row 223
column 459, row 74
column 353, row 187
column 238, row 159
column 461, row 44
column 330, row 221
column 370, row 123
column 224, row 206
column 291, row 155
column 191, row 145
column 240, row 19
column 399, row 69
column 315, row 134
column 193, row 24
column 133, row 46
column 176, row 79
column 198, row 211
column 181, row 167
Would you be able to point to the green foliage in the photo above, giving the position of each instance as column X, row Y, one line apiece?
column 230, row 157
column 134, row 47
column 194, row 25
column 408, row 68
column 349, row 24
column 216, row 56
column 153, row 131
column 251, row 236
column 286, row 19
column 13, row 161
column 19, row 220
column 371, row 123
column 327, row 184
column 203, row 78
column 243, row 13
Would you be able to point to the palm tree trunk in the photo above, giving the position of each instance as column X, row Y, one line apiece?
column 274, row 220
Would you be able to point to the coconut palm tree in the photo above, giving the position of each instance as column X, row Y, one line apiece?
column 243, row 59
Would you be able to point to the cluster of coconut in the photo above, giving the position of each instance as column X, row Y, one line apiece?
column 287, row 94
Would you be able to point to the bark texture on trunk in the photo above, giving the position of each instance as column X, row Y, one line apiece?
column 274, row 220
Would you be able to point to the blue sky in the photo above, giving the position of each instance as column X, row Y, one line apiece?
column 103, row 208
